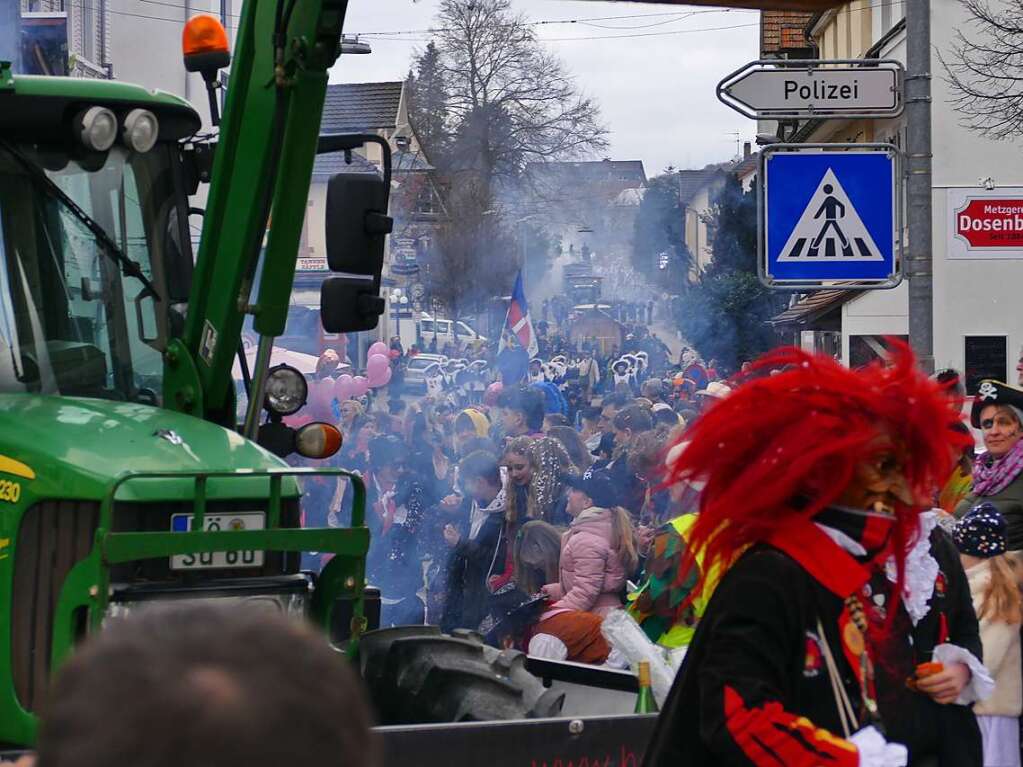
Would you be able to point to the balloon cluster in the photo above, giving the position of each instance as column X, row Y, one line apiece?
column 322, row 393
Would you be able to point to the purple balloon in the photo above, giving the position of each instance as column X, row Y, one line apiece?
column 378, row 348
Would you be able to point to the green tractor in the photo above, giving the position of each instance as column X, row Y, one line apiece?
column 124, row 475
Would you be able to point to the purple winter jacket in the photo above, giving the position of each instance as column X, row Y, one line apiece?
column 592, row 574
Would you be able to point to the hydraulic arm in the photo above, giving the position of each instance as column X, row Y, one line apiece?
column 258, row 193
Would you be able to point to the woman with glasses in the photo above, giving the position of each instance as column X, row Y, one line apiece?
column 998, row 471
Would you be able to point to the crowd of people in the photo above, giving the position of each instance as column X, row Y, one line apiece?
column 463, row 496
column 837, row 561
column 530, row 513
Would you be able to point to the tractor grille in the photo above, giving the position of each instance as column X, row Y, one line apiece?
column 56, row 534
column 53, row 537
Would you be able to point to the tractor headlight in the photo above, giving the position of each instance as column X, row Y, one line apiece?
column 97, row 128
column 286, row 390
column 317, row 440
column 141, row 130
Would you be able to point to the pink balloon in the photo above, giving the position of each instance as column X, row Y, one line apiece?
column 321, row 392
column 378, row 348
column 343, row 387
column 359, row 386
column 377, row 364
column 377, row 377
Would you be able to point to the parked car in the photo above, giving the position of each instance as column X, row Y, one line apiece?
column 415, row 373
column 422, row 332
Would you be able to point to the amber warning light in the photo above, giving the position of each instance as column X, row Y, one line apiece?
column 204, row 44
column 205, row 50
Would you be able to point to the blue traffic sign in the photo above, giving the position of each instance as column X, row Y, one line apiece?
column 830, row 216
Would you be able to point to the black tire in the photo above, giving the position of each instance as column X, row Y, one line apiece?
column 417, row 675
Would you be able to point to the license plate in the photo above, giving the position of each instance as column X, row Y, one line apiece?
column 210, row 560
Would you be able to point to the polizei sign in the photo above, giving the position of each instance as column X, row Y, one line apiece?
column 985, row 223
column 791, row 88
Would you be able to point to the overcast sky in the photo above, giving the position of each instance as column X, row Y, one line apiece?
column 652, row 68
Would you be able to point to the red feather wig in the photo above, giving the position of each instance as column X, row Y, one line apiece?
column 786, row 442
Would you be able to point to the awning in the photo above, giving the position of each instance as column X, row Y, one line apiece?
column 812, row 308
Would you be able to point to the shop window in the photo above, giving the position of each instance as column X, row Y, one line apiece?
column 984, row 357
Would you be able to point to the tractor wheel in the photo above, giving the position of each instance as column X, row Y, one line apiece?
column 417, row 675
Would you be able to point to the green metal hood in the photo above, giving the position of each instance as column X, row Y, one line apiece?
column 76, row 446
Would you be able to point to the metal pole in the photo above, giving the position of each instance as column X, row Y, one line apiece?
column 258, row 390
column 522, row 244
column 919, row 263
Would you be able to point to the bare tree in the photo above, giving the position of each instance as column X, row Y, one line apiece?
column 474, row 256
column 511, row 101
column 986, row 70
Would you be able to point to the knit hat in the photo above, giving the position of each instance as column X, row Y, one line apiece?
column 981, row 533
column 480, row 423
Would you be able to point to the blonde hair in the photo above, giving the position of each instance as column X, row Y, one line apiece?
column 623, row 539
column 1001, row 601
column 537, row 555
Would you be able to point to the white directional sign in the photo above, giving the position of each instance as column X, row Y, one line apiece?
column 814, row 88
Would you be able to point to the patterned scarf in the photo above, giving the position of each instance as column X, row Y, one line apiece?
column 992, row 475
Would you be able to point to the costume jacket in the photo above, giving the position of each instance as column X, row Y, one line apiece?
column 755, row 688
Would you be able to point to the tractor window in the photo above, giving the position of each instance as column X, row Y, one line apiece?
column 71, row 321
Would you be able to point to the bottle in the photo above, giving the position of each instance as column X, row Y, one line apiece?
column 645, row 703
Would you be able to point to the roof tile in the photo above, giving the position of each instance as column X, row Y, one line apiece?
column 353, row 107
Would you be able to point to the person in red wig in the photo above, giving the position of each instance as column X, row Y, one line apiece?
column 841, row 630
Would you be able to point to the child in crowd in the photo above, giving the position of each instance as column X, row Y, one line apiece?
column 994, row 585
column 597, row 553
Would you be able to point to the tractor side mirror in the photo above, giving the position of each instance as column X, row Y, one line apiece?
column 357, row 226
column 357, row 223
column 350, row 304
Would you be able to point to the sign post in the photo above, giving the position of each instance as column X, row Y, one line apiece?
column 814, row 88
column 830, row 216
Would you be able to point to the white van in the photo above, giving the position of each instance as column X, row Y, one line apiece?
column 447, row 331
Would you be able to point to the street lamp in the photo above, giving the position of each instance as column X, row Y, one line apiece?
column 350, row 45
column 399, row 303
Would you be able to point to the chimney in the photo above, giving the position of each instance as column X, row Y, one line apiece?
column 747, row 150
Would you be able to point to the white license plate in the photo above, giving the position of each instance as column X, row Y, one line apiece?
column 210, row 560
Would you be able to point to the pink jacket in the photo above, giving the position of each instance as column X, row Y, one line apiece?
column 592, row 575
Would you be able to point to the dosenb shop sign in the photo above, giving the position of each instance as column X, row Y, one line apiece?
column 985, row 224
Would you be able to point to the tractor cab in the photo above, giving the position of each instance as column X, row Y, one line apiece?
column 95, row 246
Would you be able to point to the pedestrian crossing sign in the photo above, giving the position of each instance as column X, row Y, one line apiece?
column 830, row 216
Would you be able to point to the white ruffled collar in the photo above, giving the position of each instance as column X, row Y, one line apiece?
column 921, row 570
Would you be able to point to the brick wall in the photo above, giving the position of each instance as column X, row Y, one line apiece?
column 783, row 32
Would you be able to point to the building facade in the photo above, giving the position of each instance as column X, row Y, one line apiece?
column 976, row 286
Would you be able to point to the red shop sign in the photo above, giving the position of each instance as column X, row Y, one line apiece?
column 991, row 223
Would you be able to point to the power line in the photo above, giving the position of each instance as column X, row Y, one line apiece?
column 649, row 34
column 675, row 16
column 398, row 35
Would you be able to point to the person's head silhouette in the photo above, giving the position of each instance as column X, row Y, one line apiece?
column 828, row 189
